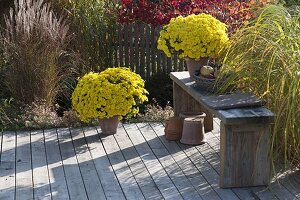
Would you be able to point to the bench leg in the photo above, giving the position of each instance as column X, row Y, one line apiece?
column 244, row 155
column 183, row 102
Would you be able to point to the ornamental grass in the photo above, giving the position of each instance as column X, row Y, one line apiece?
column 35, row 43
column 265, row 58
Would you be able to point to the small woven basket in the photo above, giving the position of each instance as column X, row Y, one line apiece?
column 206, row 84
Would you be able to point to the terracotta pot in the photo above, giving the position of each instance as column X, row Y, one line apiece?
column 193, row 130
column 194, row 65
column 173, row 128
column 109, row 125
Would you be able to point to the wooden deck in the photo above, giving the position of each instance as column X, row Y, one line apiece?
column 136, row 163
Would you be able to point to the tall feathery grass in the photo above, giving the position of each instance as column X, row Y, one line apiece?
column 265, row 59
column 35, row 44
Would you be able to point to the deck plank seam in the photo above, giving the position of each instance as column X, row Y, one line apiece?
column 31, row 163
column 46, row 157
column 15, row 195
column 65, row 141
column 180, row 146
column 171, row 158
column 1, row 143
column 129, row 166
column 204, row 177
column 110, row 163
column 142, row 160
column 77, row 162
column 160, row 162
column 176, row 161
column 140, row 163
column 154, row 180
column 87, row 144
column 179, row 165
column 62, row 163
column 111, row 146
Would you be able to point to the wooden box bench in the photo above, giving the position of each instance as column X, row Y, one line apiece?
column 244, row 130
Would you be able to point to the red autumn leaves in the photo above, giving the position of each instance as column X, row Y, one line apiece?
column 159, row 12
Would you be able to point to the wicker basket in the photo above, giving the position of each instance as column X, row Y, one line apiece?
column 206, row 84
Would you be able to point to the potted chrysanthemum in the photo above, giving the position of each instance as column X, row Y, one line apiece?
column 108, row 95
column 195, row 38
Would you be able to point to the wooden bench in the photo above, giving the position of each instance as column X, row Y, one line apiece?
column 244, row 130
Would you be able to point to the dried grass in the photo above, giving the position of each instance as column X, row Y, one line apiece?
column 35, row 43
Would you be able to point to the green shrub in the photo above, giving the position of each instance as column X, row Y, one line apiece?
column 95, row 24
column 265, row 57
column 290, row 2
column 160, row 88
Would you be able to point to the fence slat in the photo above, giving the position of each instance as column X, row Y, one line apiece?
column 130, row 28
column 142, row 50
column 175, row 65
column 169, row 65
column 137, row 49
column 121, row 46
column 115, row 53
column 126, row 41
column 148, row 52
column 153, row 50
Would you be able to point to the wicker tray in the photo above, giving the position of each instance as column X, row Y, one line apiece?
column 206, row 84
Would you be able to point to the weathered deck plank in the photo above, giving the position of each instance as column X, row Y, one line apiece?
column 138, row 168
column 120, row 167
column 72, row 172
column 7, row 166
column 41, row 184
column 1, row 134
column 136, row 163
column 59, row 189
column 208, row 172
column 24, row 183
column 156, row 170
column 90, row 178
column 197, row 179
column 179, row 179
column 109, row 181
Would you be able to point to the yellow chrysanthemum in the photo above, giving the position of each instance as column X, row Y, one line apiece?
column 115, row 91
column 194, row 36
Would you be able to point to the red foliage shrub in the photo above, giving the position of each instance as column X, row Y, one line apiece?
column 159, row 12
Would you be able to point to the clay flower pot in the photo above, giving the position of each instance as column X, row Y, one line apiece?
column 173, row 128
column 193, row 130
column 109, row 125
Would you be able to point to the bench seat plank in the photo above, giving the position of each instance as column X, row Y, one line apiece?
column 245, row 115
column 231, row 108
column 229, row 101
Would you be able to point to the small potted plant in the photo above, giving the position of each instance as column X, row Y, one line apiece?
column 196, row 38
column 109, row 95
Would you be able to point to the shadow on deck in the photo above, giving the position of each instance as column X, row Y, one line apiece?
column 136, row 163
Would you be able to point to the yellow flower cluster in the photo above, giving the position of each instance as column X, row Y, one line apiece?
column 114, row 91
column 194, row 36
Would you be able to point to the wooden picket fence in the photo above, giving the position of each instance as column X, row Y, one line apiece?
column 136, row 48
